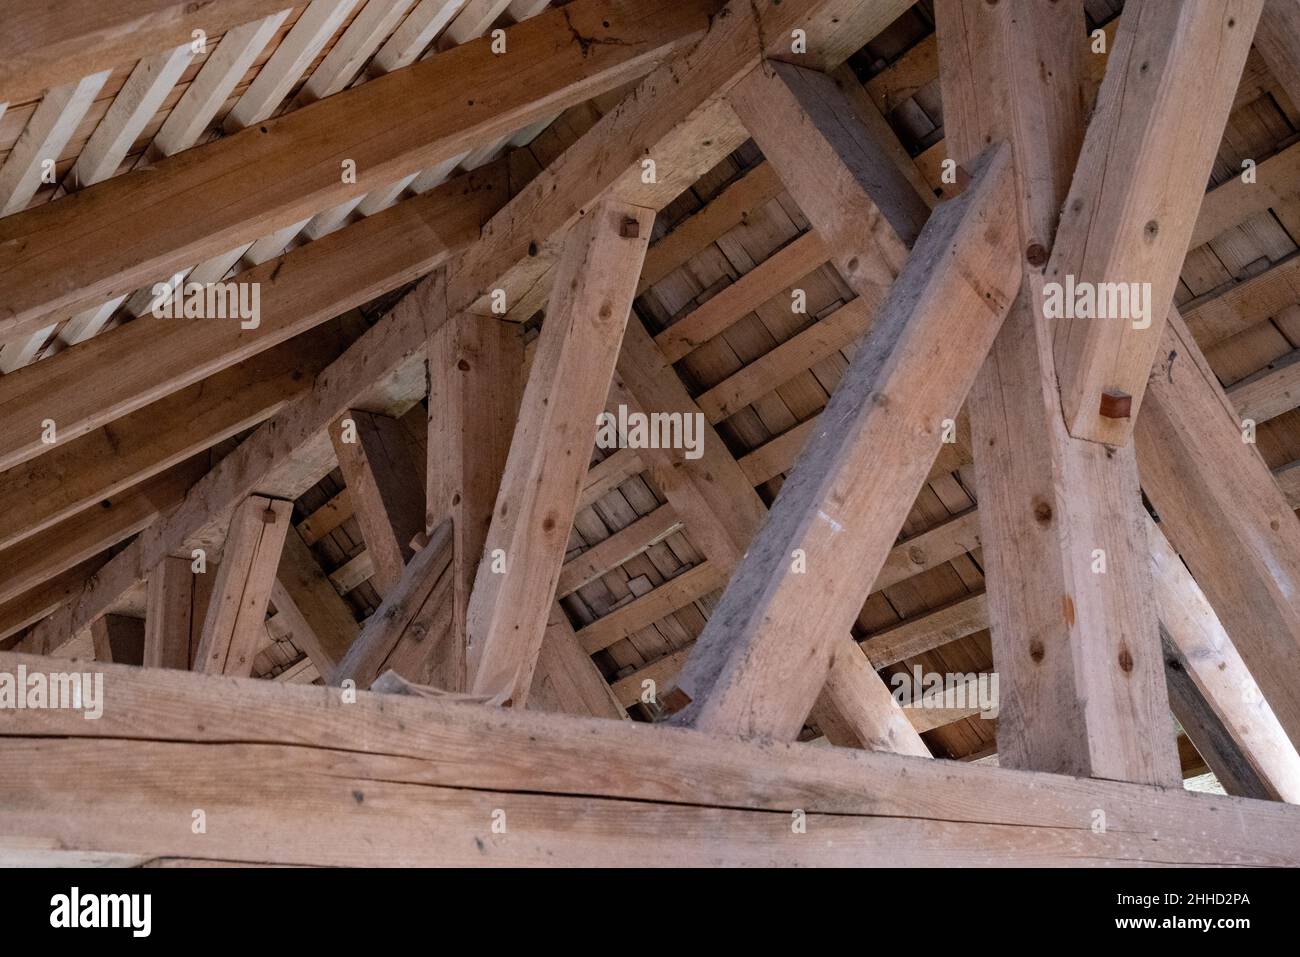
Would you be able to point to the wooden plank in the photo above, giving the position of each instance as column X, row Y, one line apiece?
column 134, row 106
column 841, row 329
column 384, row 478
column 42, row 140
column 741, row 675
column 207, row 93
column 77, row 474
column 394, row 125
column 1276, row 184
column 417, row 31
column 1130, row 211
column 236, row 617
column 1270, row 392
column 64, row 544
column 1224, row 513
column 44, row 47
column 1224, row 312
column 475, row 386
column 608, row 474
column 566, row 680
column 624, row 544
column 169, row 616
column 181, row 740
column 567, row 386
column 728, row 209
column 643, row 611
column 122, row 370
column 349, row 54
column 315, row 27
column 29, row 607
column 1277, row 38
column 935, row 628
column 779, row 272
column 330, row 624
column 1078, row 651
column 326, row 518
column 1208, row 680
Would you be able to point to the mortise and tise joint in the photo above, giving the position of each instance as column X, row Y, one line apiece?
column 631, row 229
column 1116, row 404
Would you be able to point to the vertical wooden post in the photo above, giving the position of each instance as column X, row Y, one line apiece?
column 236, row 617
column 595, row 281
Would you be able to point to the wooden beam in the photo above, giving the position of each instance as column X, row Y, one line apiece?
column 29, row 607
column 781, row 270
column 567, row 385
column 718, row 503
column 329, row 622
column 475, row 385
column 1225, row 514
column 385, row 482
column 937, row 627
column 44, row 47
column 885, row 418
column 1213, row 694
column 1238, row 306
column 1077, row 648
column 857, row 710
column 393, row 125
column 33, row 560
column 236, row 618
column 175, row 606
column 127, row 368
column 607, row 555
column 409, row 632
column 728, row 209
column 78, row 474
column 1277, row 38
column 183, row 740
column 566, row 679
column 1132, row 204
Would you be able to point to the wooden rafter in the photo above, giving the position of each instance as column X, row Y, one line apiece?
column 394, row 125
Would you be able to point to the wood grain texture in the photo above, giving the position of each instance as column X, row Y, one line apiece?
column 256, row 754
column 762, row 659
column 547, row 462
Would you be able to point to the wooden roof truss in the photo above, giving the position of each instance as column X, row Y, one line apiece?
column 383, row 489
